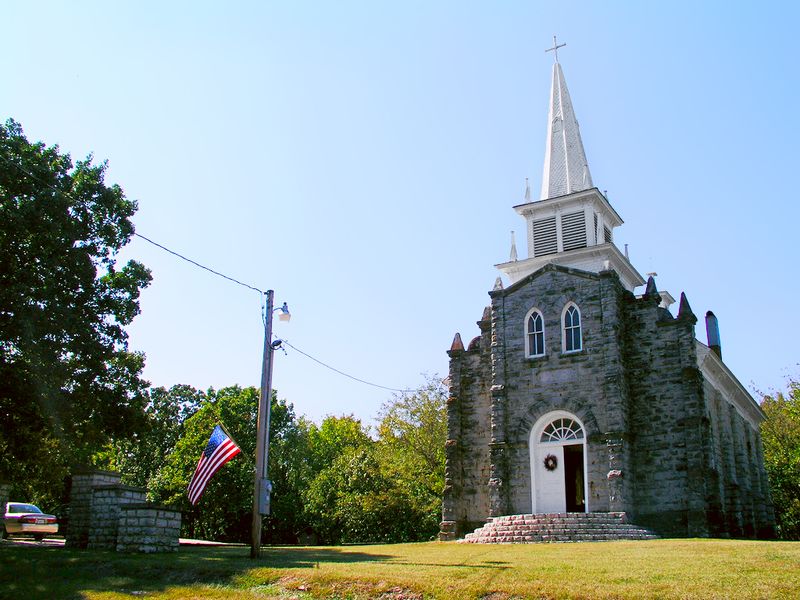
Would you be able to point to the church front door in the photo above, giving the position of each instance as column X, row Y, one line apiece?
column 558, row 464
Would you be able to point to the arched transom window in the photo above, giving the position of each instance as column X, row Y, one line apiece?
column 562, row 430
column 572, row 329
column 534, row 329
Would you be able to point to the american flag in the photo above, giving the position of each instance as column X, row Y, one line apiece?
column 220, row 449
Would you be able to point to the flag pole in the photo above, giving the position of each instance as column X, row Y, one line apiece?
column 261, row 487
column 225, row 430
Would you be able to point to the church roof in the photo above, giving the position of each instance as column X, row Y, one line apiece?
column 565, row 167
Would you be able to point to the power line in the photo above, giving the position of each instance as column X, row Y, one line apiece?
column 197, row 264
column 316, row 360
column 218, row 274
column 139, row 235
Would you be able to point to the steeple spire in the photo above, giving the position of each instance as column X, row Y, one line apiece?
column 565, row 167
column 572, row 225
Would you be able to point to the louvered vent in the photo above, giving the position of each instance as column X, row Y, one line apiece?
column 573, row 230
column 594, row 234
column 607, row 235
column 544, row 237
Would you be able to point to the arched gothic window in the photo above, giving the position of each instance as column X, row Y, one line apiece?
column 534, row 334
column 572, row 329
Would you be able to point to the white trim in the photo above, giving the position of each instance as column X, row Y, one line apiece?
column 592, row 259
column 567, row 306
column 528, row 353
column 534, row 446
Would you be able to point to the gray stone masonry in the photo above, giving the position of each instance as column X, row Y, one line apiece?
column 107, row 502
column 148, row 528
column 662, row 444
column 80, row 504
column 467, row 472
column 105, row 514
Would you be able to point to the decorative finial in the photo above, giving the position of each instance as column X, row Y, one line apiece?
column 527, row 190
column 457, row 345
column 513, row 248
column 685, row 311
column 555, row 48
column 651, row 289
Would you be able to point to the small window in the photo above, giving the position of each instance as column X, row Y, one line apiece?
column 534, row 334
column 572, row 329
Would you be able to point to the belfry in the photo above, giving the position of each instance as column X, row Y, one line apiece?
column 584, row 406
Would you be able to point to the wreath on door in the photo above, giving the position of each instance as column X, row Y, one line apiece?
column 550, row 462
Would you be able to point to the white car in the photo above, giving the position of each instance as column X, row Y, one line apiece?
column 27, row 519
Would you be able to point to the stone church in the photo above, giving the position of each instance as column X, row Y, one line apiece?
column 582, row 395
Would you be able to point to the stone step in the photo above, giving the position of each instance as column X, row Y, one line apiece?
column 558, row 527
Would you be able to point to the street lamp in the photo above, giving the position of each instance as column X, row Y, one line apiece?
column 262, row 487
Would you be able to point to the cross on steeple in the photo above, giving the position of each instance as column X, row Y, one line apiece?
column 555, row 48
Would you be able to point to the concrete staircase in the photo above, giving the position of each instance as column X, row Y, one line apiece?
column 558, row 527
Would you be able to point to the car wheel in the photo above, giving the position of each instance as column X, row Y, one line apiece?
column 38, row 536
column 4, row 533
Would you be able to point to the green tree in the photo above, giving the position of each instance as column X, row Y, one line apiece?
column 224, row 511
column 355, row 500
column 67, row 382
column 139, row 457
column 780, row 433
column 334, row 437
column 412, row 434
column 384, row 490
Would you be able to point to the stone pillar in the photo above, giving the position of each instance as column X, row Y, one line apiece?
column 742, row 474
column 453, row 480
column 80, row 504
column 617, row 485
column 694, row 429
column 736, row 513
column 498, row 492
column 616, row 396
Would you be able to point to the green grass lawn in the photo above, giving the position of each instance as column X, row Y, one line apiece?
column 646, row 569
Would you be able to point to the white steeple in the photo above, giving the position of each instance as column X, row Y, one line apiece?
column 572, row 225
column 565, row 167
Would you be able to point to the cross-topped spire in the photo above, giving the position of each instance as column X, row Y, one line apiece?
column 555, row 48
column 565, row 167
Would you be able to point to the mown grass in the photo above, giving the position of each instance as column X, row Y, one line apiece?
column 648, row 569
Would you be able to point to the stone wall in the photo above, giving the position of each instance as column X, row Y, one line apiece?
column 588, row 383
column 743, row 506
column 107, row 503
column 148, row 528
column 668, row 424
column 105, row 514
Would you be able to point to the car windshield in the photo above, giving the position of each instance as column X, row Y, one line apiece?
column 23, row 508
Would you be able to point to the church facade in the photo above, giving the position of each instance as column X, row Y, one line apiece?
column 580, row 395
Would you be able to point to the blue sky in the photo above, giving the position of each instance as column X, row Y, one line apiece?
column 362, row 159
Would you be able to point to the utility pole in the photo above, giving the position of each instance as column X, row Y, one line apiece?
column 262, row 486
